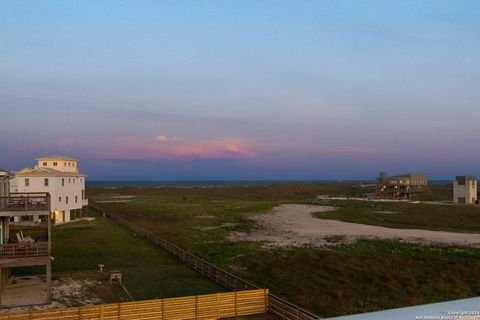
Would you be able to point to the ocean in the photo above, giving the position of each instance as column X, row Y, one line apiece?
column 217, row 183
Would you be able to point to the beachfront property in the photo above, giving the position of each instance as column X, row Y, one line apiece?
column 23, row 245
column 405, row 186
column 465, row 190
column 60, row 177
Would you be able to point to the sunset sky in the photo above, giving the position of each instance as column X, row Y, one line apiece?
column 166, row 90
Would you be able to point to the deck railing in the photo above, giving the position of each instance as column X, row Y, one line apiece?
column 32, row 201
column 23, row 250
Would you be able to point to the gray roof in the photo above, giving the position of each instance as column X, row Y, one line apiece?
column 4, row 172
column 410, row 175
column 48, row 172
column 56, row 157
column 465, row 177
column 448, row 310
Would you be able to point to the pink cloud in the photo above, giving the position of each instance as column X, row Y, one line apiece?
column 164, row 138
column 170, row 148
column 161, row 147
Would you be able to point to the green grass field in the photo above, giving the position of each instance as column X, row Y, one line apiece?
column 197, row 222
column 330, row 281
column 148, row 272
column 366, row 276
column 406, row 215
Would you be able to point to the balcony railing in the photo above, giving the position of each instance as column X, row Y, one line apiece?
column 33, row 201
column 23, row 250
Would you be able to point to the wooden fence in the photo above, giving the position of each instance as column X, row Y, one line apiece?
column 277, row 306
column 210, row 306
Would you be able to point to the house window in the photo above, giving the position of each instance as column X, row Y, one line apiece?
column 27, row 182
column 461, row 200
column 63, row 182
column 73, row 164
column 44, row 164
column 59, row 199
column 76, row 198
column 68, row 180
column 54, row 164
column 66, row 200
column 45, row 182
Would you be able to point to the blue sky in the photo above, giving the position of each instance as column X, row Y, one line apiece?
column 242, row 89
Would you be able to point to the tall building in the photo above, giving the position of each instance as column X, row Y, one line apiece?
column 24, row 245
column 60, row 177
column 465, row 190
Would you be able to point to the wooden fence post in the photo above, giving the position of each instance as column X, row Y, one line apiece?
column 236, row 312
column 265, row 295
column 163, row 309
column 196, row 307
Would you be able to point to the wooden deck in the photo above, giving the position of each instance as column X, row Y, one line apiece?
column 25, row 204
column 23, row 250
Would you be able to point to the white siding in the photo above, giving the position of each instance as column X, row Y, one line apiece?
column 60, row 165
column 71, row 188
column 467, row 191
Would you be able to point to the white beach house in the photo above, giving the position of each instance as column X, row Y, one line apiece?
column 59, row 176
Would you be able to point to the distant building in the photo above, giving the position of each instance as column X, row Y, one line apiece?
column 404, row 186
column 59, row 176
column 465, row 190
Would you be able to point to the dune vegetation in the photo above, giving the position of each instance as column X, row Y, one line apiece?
column 341, row 278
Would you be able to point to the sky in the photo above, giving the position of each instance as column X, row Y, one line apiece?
column 228, row 90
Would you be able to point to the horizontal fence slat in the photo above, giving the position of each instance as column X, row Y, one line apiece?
column 211, row 306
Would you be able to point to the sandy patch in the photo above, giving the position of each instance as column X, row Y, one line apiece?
column 83, row 288
column 118, row 199
column 124, row 197
column 294, row 225
column 70, row 292
column 66, row 293
column 386, row 212
column 223, row 225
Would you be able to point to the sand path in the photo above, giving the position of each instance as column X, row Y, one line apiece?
column 294, row 225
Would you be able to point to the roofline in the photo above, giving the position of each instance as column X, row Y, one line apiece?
column 409, row 174
column 56, row 158
column 7, row 173
column 50, row 174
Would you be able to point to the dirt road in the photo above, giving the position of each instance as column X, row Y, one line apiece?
column 294, row 225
